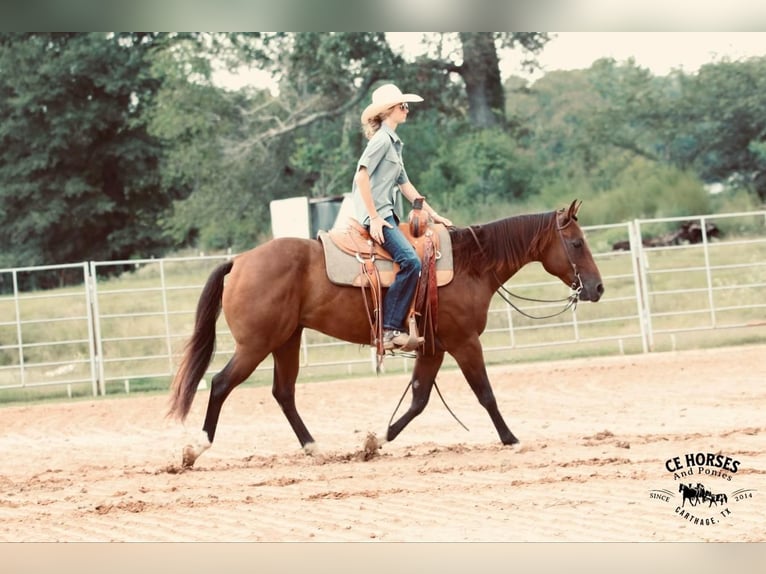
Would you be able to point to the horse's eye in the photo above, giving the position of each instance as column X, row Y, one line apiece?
column 577, row 243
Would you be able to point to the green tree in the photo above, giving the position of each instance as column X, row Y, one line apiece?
column 326, row 76
column 479, row 172
column 480, row 71
column 724, row 122
column 79, row 173
column 607, row 135
column 711, row 122
column 199, row 125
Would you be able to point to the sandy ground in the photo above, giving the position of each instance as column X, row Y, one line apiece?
column 596, row 435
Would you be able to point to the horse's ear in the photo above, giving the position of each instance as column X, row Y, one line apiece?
column 573, row 209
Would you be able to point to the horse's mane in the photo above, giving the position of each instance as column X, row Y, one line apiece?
column 513, row 240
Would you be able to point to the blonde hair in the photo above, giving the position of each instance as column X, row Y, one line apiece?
column 374, row 123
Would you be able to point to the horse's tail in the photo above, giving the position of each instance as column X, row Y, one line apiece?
column 201, row 347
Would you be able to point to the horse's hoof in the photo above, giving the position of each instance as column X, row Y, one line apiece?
column 310, row 449
column 510, row 441
column 192, row 451
column 189, row 456
column 371, row 446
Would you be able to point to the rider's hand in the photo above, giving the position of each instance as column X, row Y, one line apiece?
column 376, row 228
column 439, row 219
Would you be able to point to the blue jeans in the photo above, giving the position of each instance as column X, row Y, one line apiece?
column 398, row 299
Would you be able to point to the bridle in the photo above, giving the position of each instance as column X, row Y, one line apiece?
column 571, row 300
column 576, row 285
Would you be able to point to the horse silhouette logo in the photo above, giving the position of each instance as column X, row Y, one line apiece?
column 697, row 494
column 705, row 507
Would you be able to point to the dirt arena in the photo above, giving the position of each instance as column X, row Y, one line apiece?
column 596, row 437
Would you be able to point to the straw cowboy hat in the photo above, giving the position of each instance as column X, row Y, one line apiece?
column 384, row 97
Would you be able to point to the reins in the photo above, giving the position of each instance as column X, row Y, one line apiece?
column 438, row 392
column 505, row 293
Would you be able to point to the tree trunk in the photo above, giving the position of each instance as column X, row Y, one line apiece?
column 481, row 74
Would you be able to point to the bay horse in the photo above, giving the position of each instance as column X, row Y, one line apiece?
column 276, row 290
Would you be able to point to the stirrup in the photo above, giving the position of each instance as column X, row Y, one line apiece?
column 414, row 340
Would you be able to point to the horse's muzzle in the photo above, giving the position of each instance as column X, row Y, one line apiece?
column 591, row 292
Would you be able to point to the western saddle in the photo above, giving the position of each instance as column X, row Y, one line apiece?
column 353, row 258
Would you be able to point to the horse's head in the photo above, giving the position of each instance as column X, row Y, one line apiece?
column 569, row 258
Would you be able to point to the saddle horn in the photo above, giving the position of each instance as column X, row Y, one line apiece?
column 418, row 219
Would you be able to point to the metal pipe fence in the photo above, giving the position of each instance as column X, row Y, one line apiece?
column 123, row 323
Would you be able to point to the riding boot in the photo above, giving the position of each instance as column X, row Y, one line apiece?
column 393, row 339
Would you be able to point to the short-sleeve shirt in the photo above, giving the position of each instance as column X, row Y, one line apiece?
column 383, row 159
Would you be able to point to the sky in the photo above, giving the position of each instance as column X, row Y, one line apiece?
column 661, row 52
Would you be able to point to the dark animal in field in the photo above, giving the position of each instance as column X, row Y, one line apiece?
column 688, row 232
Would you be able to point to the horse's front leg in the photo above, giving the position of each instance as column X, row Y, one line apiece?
column 423, row 378
column 470, row 358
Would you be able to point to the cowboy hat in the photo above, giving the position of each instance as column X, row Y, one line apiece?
column 384, row 97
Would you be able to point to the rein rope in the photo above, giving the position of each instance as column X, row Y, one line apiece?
column 505, row 293
column 438, row 392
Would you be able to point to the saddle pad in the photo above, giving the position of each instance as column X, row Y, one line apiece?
column 344, row 269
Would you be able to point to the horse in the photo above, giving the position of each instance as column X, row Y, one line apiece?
column 690, row 493
column 279, row 288
column 716, row 498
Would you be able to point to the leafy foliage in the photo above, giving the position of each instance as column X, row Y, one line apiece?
column 478, row 170
column 78, row 171
column 201, row 125
column 114, row 146
column 726, row 103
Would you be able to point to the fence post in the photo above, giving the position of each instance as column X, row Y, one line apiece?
column 166, row 313
column 17, row 307
column 87, row 274
column 99, row 349
column 708, row 272
column 642, row 288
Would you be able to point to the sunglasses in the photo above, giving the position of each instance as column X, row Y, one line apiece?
column 405, row 107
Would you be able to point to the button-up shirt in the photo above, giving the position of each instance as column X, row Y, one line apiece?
column 383, row 159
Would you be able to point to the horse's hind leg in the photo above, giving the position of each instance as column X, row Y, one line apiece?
column 239, row 367
column 286, row 366
column 423, row 378
column 471, row 361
